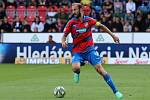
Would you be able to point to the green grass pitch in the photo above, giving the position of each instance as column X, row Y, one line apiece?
column 36, row 82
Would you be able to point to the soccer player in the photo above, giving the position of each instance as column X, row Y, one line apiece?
column 83, row 47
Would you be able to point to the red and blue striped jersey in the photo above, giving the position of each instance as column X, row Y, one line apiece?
column 81, row 33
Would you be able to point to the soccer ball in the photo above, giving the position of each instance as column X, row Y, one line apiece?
column 59, row 92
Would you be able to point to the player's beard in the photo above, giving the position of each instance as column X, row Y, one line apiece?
column 79, row 15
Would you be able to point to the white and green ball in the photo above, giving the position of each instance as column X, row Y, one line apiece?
column 59, row 92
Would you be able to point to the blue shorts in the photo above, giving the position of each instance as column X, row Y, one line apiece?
column 92, row 57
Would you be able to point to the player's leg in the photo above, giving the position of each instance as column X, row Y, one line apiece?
column 76, row 70
column 95, row 60
column 108, row 80
column 76, row 59
column 106, row 77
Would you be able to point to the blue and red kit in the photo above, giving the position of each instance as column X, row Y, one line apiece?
column 83, row 46
column 81, row 33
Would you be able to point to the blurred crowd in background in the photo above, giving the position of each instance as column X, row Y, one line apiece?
column 52, row 15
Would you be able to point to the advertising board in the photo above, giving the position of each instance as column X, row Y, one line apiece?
column 44, row 53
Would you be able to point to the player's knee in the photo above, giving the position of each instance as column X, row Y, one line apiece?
column 100, row 69
column 76, row 65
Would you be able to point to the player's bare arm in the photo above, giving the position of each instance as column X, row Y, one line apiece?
column 103, row 27
column 63, row 42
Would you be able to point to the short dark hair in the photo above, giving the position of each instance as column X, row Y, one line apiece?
column 51, row 36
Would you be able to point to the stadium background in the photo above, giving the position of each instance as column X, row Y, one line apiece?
column 32, row 65
column 52, row 15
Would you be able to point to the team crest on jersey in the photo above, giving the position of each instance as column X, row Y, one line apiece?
column 86, row 24
column 75, row 26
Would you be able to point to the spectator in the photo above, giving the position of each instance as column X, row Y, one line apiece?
column 50, row 21
column 143, row 8
column 129, row 17
column 25, row 30
column 86, row 2
column 47, row 3
column 21, row 2
column 6, row 27
column 11, row 2
column 147, row 21
column 117, row 25
column 50, row 40
column 26, row 26
column 148, row 6
column 130, row 6
column 14, row 30
column 63, row 16
column 107, row 14
column 52, row 30
column 2, row 3
column 53, row 8
column 33, row 3
column 2, row 10
column 97, row 10
column 118, row 7
column 140, row 21
column 127, row 27
column 17, row 25
column 110, row 25
column 135, row 29
column 65, row 2
column 108, row 5
column 87, row 10
column 42, row 2
column 37, row 25
column 59, row 25
column 97, row 2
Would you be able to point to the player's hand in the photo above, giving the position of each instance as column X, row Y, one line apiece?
column 64, row 44
column 116, row 39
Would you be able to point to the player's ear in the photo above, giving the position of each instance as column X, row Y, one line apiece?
column 81, row 9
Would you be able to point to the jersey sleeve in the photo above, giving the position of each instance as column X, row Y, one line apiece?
column 67, row 29
column 92, row 21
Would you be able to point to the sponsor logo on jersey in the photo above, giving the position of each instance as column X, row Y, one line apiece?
column 81, row 30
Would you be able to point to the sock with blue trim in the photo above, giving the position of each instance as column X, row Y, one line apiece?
column 110, row 82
